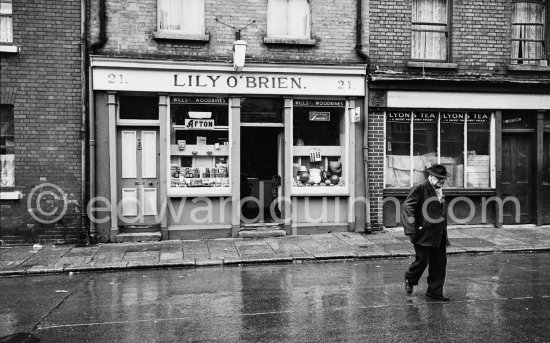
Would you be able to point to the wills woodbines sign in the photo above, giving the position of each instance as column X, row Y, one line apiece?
column 216, row 82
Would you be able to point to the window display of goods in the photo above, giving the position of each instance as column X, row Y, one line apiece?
column 317, row 177
column 199, row 177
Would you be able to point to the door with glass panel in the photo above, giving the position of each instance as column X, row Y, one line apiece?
column 138, row 176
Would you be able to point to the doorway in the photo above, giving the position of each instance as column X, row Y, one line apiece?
column 138, row 172
column 516, row 181
column 261, row 167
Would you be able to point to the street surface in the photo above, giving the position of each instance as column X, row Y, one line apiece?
column 502, row 297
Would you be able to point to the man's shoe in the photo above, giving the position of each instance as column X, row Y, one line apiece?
column 439, row 297
column 408, row 286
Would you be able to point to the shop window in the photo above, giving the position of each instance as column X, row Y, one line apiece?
column 458, row 140
column 319, row 149
column 139, row 108
column 181, row 17
column 288, row 19
column 7, row 151
column 429, row 30
column 199, row 144
column 528, row 31
column 6, row 22
column 261, row 110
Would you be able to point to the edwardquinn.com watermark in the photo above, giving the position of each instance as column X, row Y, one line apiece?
column 48, row 203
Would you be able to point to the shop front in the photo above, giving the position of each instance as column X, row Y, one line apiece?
column 492, row 144
column 201, row 151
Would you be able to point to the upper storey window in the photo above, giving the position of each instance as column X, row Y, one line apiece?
column 429, row 30
column 289, row 19
column 181, row 17
column 6, row 23
column 528, row 28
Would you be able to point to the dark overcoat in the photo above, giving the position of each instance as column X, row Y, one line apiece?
column 428, row 226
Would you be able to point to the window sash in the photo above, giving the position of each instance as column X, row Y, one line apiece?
column 181, row 16
column 528, row 26
column 6, row 22
column 288, row 19
column 429, row 30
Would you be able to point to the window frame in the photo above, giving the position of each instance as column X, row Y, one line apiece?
column 411, row 122
column 6, row 11
column 305, row 39
column 9, row 110
column 545, row 40
column 298, row 151
column 447, row 31
column 195, row 35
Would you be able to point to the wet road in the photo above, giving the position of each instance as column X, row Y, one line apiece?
column 495, row 298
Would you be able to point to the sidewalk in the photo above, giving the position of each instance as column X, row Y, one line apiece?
column 24, row 260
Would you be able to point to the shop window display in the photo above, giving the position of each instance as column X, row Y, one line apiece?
column 458, row 140
column 319, row 136
column 199, row 142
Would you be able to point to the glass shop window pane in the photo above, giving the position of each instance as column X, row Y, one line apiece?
column 317, row 132
column 424, row 144
column 398, row 149
column 478, row 171
column 518, row 120
column 452, row 148
column 139, row 107
column 261, row 110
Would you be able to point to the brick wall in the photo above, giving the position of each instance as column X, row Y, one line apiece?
column 45, row 77
column 131, row 24
column 376, row 167
column 480, row 38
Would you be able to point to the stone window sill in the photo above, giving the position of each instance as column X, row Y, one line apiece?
column 13, row 49
column 528, row 67
column 289, row 41
column 432, row 65
column 181, row 36
column 13, row 195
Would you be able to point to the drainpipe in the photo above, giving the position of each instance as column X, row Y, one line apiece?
column 83, row 24
column 361, row 52
column 95, row 47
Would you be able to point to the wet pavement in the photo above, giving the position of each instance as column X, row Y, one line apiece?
column 23, row 260
column 502, row 297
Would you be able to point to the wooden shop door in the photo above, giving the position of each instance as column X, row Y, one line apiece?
column 517, row 176
column 138, row 176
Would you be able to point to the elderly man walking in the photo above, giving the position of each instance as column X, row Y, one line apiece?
column 424, row 219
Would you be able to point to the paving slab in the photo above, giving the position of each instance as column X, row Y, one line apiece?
column 223, row 248
column 287, row 248
column 195, row 250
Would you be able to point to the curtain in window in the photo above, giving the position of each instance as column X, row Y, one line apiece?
column 527, row 32
column 429, row 35
column 6, row 24
column 288, row 18
column 182, row 16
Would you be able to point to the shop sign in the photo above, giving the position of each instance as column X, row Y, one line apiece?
column 319, row 103
column 479, row 117
column 229, row 82
column 452, row 117
column 319, row 116
column 199, row 124
column 198, row 100
column 425, row 117
column 394, row 116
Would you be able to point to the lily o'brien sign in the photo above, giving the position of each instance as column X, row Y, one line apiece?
column 148, row 80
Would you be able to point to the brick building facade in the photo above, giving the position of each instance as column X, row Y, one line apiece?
column 437, row 68
column 42, row 109
column 303, row 59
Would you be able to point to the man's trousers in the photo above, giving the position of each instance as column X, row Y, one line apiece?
column 436, row 259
